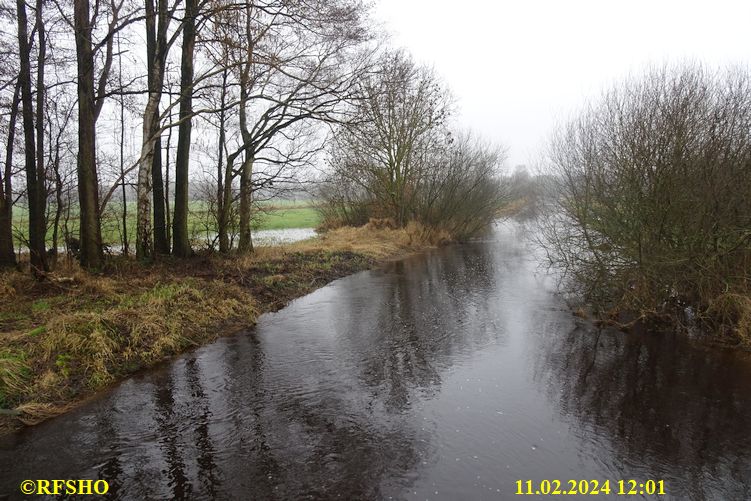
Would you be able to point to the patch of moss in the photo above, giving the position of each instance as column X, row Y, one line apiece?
column 35, row 332
column 40, row 306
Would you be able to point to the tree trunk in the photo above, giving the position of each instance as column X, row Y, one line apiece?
column 125, row 248
column 220, row 178
column 161, row 245
column 224, row 215
column 88, row 184
column 144, row 243
column 7, row 255
column 36, row 213
column 58, row 201
column 168, row 226
column 220, row 159
column 181, row 244
column 40, row 99
column 155, row 66
column 157, row 22
column 246, row 243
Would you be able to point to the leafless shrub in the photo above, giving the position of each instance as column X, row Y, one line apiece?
column 652, row 208
column 400, row 161
column 462, row 189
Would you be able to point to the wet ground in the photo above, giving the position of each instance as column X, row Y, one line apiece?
column 450, row 375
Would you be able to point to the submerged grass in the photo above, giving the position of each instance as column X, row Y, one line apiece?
column 74, row 333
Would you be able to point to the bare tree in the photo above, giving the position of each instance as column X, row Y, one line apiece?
column 158, row 19
column 90, row 103
column 294, row 63
column 88, row 183
column 284, row 67
column 181, row 242
column 60, row 111
column 401, row 112
column 400, row 161
column 34, row 179
column 7, row 255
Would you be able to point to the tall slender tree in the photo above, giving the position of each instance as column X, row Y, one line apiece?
column 40, row 114
column 7, row 255
column 158, row 18
column 181, row 244
column 156, row 60
column 88, row 183
column 34, row 185
column 126, row 249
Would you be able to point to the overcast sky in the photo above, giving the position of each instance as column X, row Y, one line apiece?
column 518, row 68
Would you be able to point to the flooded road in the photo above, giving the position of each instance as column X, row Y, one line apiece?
column 445, row 376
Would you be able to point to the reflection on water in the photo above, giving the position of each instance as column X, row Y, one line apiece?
column 682, row 414
column 263, row 238
column 282, row 236
column 446, row 376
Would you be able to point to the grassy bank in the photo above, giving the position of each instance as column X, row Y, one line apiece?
column 67, row 337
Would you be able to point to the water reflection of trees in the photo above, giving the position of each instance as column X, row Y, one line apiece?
column 665, row 407
column 421, row 316
column 220, row 426
column 248, row 418
column 293, row 443
column 179, row 398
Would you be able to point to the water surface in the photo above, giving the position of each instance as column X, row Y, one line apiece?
column 449, row 375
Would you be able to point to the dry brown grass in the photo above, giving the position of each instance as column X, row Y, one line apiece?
column 12, row 371
column 141, row 329
column 513, row 207
column 34, row 413
column 375, row 241
column 58, row 343
column 732, row 315
column 6, row 290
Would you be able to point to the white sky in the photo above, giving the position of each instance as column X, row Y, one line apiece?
column 518, row 68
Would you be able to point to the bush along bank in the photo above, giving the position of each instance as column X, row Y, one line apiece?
column 649, row 212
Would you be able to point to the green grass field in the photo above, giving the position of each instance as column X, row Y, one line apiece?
column 300, row 217
column 276, row 215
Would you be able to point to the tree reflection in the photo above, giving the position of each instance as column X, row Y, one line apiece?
column 665, row 405
column 420, row 316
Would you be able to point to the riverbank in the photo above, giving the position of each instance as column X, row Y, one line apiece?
column 724, row 323
column 65, row 338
